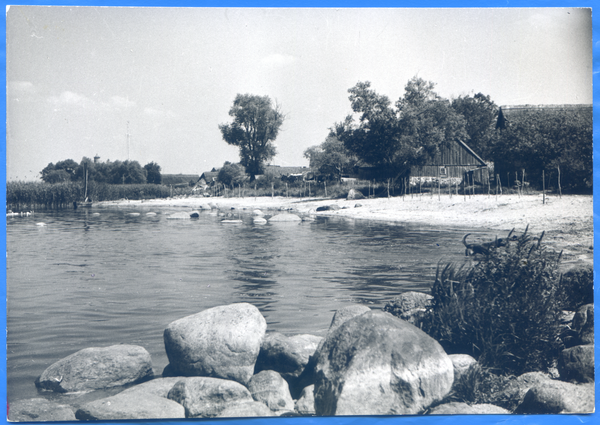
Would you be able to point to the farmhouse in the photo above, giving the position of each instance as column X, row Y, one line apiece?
column 451, row 165
column 206, row 180
column 507, row 114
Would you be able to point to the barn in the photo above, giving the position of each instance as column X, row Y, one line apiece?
column 451, row 164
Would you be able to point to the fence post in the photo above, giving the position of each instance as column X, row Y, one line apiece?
column 559, row 188
column 272, row 190
column 287, row 192
column 543, row 187
column 523, row 181
column 325, row 183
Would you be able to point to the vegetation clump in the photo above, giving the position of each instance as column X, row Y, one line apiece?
column 504, row 310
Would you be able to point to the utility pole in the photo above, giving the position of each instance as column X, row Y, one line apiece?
column 127, row 140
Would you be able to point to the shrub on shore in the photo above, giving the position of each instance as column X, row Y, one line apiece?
column 504, row 310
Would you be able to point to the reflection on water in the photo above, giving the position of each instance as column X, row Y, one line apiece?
column 89, row 279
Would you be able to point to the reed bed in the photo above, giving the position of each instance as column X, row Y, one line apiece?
column 38, row 195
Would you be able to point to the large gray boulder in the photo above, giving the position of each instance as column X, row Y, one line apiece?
column 583, row 324
column 39, row 410
column 577, row 364
column 159, row 387
column 305, row 405
column 558, row 397
column 461, row 364
column 377, row 364
column 96, row 368
column 346, row 313
column 354, row 194
column 130, row 406
column 456, row 408
column 271, row 389
column 286, row 355
column 245, row 410
column 208, row 397
column 221, row 342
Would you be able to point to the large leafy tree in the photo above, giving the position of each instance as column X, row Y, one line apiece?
column 255, row 126
column 231, row 174
column 331, row 157
column 394, row 139
column 60, row 172
column 480, row 114
column 127, row 172
column 153, row 175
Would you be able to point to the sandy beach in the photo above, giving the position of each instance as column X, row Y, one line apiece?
column 567, row 220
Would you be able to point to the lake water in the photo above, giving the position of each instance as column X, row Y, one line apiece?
column 87, row 279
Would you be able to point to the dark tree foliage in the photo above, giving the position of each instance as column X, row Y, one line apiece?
column 396, row 139
column 504, row 310
column 153, row 175
column 547, row 140
column 255, row 127
column 480, row 114
column 127, row 172
column 331, row 157
column 231, row 174
column 60, row 172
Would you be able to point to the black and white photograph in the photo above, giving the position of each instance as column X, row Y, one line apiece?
column 226, row 212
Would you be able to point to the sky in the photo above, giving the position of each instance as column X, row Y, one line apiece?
column 153, row 84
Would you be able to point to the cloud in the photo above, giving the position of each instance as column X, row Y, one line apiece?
column 122, row 102
column 68, row 98
column 158, row 113
column 21, row 86
column 277, row 60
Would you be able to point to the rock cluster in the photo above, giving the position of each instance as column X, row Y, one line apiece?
column 223, row 364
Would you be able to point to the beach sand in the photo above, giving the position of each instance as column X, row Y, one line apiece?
column 567, row 220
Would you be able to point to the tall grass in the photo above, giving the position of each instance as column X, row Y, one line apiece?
column 36, row 195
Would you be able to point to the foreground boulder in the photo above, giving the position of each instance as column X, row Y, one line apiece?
column 577, row 364
column 245, row 410
column 39, row 410
column 271, row 389
column 461, row 364
column 221, row 342
column 455, row 408
column 130, row 406
column 346, row 313
column 558, row 397
column 96, row 368
column 208, row 397
column 376, row 364
column 286, row 355
column 159, row 387
column 305, row 405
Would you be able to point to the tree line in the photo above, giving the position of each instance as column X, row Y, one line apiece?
column 110, row 172
column 396, row 137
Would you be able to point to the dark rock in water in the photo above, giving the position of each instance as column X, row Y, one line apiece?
column 96, row 368
column 39, row 410
column 558, row 397
column 377, row 364
column 455, row 408
column 221, row 342
column 306, row 402
column 159, row 387
column 354, row 194
column 245, row 410
column 332, row 207
column 271, row 389
column 130, row 406
column 208, row 397
column 577, row 364
column 583, row 324
column 194, row 214
column 286, row 355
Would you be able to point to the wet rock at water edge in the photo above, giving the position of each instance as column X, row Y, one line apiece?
column 208, row 397
column 271, row 389
column 39, row 410
column 221, row 342
column 332, row 207
column 377, row 364
column 245, row 410
column 285, row 218
column 259, row 220
column 305, row 405
column 456, row 408
column 96, row 368
column 131, row 406
column 194, row 214
column 159, row 386
column 558, row 397
column 577, row 364
column 286, row 355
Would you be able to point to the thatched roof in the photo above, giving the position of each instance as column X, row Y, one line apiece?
column 509, row 112
column 277, row 171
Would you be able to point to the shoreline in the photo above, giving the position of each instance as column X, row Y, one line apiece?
column 567, row 220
